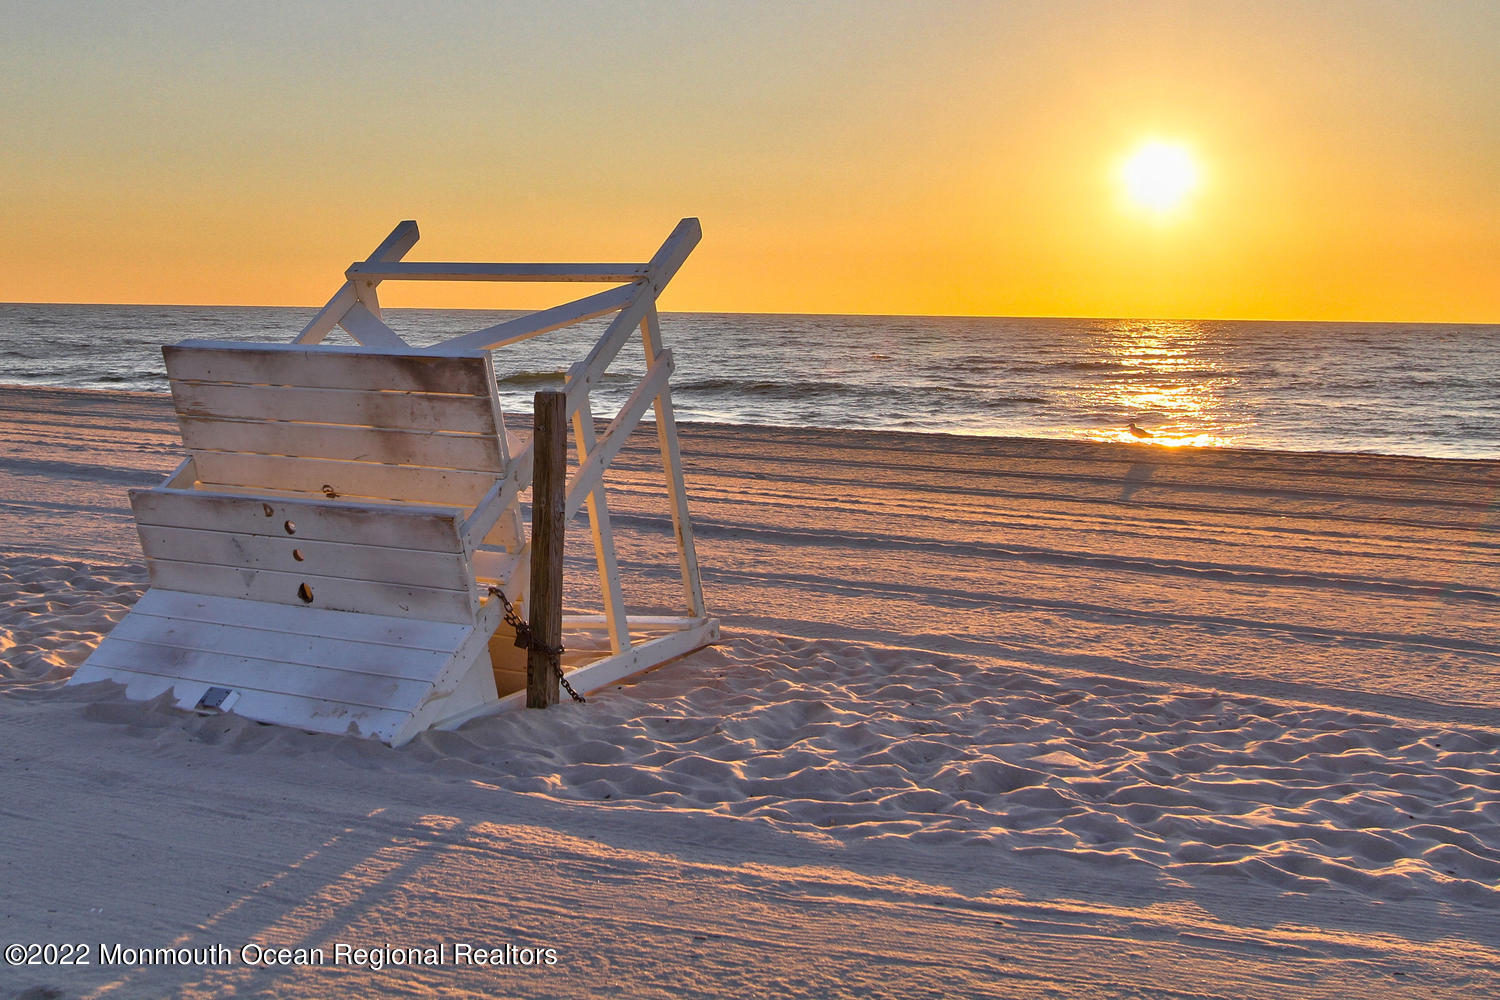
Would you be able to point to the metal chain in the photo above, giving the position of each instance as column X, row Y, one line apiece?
column 526, row 640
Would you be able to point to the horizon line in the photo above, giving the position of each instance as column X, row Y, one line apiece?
column 745, row 312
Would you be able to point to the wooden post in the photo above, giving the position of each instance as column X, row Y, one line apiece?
column 548, row 502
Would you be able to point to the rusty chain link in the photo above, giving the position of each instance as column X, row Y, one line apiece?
column 526, row 640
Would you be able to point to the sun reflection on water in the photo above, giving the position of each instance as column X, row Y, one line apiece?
column 1164, row 380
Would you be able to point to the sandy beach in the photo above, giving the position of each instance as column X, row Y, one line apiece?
column 991, row 718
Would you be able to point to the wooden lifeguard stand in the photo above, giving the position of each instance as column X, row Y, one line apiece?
column 336, row 550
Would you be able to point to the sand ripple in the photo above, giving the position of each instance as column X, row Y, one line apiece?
column 861, row 742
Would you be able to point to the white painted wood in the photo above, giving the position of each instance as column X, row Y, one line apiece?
column 326, row 593
column 599, row 526
column 323, row 568
column 251, row 673
column 356, row 480
column 184, row 476
column 590, row 473
column 585, row 376
column 499, row 499
column 342, row 626
column 362, row 407
column 392, row 248
column 642, row 656
column 448, row 271
column 671, row 458
column 441, row 450
column 447, row 570
column 514, row 331
column 322, row 324
column 493, row 566
column 280, row 708
column 327, row 367
column 598, row 623
column 365, row 325
column 673, row 252
column 350, row 655
column 508, row 532
column 431, row 528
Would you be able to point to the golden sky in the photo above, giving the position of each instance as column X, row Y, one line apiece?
column 946, row 158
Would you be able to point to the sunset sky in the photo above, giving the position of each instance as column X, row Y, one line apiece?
column 950, row 158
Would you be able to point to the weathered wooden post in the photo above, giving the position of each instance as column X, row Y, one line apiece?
column 548, row 485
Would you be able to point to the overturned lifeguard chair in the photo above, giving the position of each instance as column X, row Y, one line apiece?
column 333, row 552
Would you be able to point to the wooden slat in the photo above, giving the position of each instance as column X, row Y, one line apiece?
column 367, row 327
column 514, row 331
column 592, row 458
column 493, row 566
column 499, row 499
column 671, row 460
column 364, row 407
column 323, row 322
column 228, row 669
column 475, row 452
column 430, row 528
column 341, row 626
column 287, row 647
column 329, row 593
column 673, row 252
column 590, row 473
column 449, row 271
column 401, row 483
column 290, row 554
column 325, row 367
column 273, row 707
column 393, row 247
column 642, row 656
column 585, row 375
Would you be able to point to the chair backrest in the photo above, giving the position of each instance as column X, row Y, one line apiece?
column 331, row 422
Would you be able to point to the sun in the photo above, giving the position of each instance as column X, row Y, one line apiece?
column 1158, row 176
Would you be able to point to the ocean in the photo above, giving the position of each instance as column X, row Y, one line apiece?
column 1405, row 389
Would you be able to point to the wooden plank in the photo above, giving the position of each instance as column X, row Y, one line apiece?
column 393, row 247
column 448, row 271
column 598, row 623
column 492, row 566
column 184, row 476
column 440, row 450
column 249, row 673
column 286, row 647
column 325, row 319
column 366, row 407
column 513, row 331
column 596, row 459
column 671, row 460
column 367, row 328
column 591, row 456
column 278, row 708
column 544, row 598
column 323, row 592
column 673, row 253
column 401, row 483
column 508, row 532
column 290, row 554
column 585, row 375
column 342, row 626
column 642, row 656
column 327, row 367
column 499, row 500
column 430, row 528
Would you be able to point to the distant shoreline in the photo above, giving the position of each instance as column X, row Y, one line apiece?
column 1154, row 452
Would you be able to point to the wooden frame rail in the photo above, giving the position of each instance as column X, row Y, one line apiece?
column 356, row 308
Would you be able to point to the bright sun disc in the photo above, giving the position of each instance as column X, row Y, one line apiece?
column 1159, row 175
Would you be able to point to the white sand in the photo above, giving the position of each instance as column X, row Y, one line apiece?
column 993, row 718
